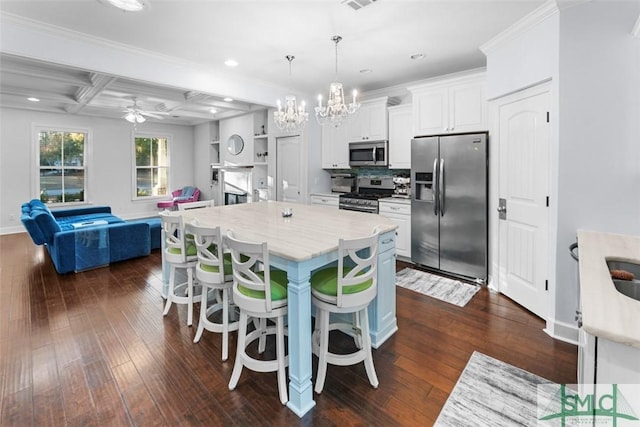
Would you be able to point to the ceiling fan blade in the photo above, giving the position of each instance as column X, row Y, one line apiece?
column 154, row 115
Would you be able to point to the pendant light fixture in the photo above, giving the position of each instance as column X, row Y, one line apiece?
column 336, row 110
column 293, row 117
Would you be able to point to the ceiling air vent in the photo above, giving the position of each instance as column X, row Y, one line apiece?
column 358, row 4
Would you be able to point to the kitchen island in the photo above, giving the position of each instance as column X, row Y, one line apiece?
column 300, row 244
column 609, row 337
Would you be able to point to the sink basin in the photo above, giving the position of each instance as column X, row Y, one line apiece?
column 630, row 288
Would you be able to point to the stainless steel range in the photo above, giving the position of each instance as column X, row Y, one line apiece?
column 366, row 198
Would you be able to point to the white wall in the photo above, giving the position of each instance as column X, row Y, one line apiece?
column 599, row 157
column 523, row 60
column 202, row 158
column 109, row 166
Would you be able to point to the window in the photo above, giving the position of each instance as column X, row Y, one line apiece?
column 152, row 166
column 62, row 165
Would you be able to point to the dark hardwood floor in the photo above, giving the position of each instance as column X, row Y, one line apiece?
column 94, row 349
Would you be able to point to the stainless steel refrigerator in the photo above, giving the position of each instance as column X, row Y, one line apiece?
column 449, row 204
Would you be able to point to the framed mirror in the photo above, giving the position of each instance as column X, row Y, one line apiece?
column 235, row 144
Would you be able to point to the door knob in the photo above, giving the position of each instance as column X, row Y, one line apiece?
column 502, row 208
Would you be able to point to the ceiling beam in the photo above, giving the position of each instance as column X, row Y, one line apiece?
column 86, row 94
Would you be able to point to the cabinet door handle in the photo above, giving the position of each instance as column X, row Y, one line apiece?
column 384, row 242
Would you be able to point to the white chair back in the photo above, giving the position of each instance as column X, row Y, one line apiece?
column 175, row 241
column 247, row 258
column 195, row 205
column 208, row 243
column 362, row 252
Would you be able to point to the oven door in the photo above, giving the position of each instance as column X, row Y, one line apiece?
column 368, row 153
column 357, row 208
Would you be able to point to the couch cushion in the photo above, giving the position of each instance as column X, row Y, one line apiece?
column 66, row 223
column 46, row 222
column 33, row 229
column 36, row 204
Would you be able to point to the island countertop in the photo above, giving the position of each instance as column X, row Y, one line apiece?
column 309, row 232
column 606, row 312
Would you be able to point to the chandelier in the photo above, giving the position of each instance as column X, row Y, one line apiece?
column 336, row 110
column 293, row 117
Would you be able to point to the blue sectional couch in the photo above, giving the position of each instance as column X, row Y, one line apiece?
column 83, row 238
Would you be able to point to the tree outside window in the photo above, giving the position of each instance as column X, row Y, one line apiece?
column 152, row 166
column 62, row 167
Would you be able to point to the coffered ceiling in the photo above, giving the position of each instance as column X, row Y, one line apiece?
column 378, row 42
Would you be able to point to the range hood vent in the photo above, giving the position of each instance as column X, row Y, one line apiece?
column 358, row 4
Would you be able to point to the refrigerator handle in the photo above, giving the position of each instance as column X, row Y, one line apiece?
column 374, row 155
column 441, row 189
column 434, row 188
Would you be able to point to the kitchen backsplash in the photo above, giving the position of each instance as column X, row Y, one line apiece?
column 372, row 172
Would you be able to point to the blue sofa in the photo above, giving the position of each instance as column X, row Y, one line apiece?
column 83, row 238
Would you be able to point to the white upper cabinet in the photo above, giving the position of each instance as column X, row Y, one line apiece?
column 450, row 105
column 335, row 148
column 370, row 122
column 400, row 134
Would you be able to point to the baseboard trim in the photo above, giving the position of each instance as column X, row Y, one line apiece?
column 562, row 331
column 12, row 230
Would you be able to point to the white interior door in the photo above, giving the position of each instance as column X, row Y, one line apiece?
column 524, row 134
column 288, row 169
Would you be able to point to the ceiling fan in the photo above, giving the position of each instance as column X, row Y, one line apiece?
column 135, row 114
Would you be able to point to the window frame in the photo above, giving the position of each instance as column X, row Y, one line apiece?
column 36, row 167
column 134, row 166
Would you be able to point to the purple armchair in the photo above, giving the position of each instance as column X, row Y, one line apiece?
column 182, row 195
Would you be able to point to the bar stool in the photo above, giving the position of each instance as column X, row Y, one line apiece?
column 180, row 252
column 261, row 295
column 215, row 274
column 348, row 288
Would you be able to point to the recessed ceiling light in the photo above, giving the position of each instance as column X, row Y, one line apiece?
column 366, row 71
column 213, row 110
column 129, row 5
column 417, row 56
column 32, row 99
column 227, row 99
column 231, row 63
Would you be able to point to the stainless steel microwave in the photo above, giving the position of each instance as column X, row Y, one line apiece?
column 369, row 153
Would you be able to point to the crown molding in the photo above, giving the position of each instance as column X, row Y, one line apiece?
column 636, row 28
column 55, row 30
column 548, row 9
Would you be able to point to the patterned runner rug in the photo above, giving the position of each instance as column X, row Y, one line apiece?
column 442, row 288
column 492, row 393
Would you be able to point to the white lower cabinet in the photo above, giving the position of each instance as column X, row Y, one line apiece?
column 602, row 361
column 400, row 213
column 329, row 200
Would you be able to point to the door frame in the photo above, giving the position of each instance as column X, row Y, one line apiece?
column 494, row 180
column 301, row 173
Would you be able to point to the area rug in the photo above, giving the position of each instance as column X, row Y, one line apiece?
column 492, row 393
column 442, row 288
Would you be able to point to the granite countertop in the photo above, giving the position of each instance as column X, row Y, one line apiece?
column 606, row 312
column 310, row 232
